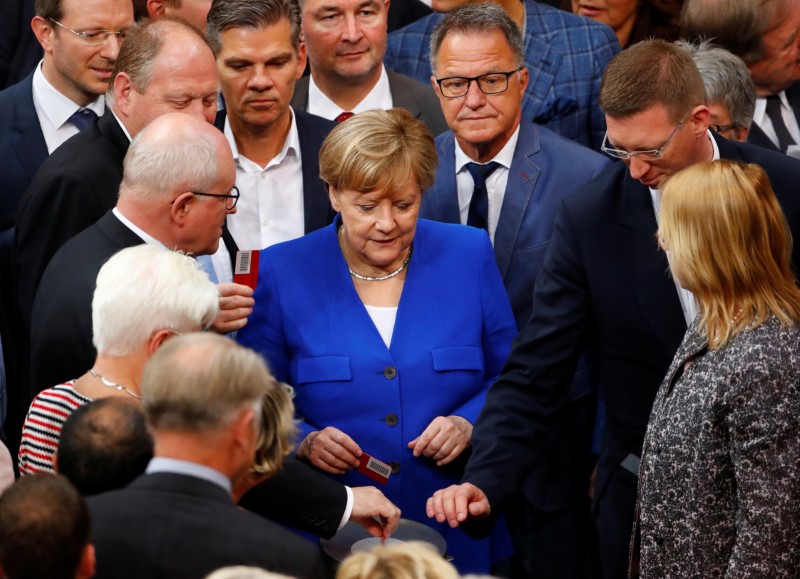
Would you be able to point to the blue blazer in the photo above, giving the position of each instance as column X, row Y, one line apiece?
column 453, row 332
column 22, row 146
column 566, row 56
column 545, row 168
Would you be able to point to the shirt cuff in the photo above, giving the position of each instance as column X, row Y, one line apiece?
column 348, row 509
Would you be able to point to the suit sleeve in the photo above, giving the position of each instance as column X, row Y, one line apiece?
column 300, row 497
column 535, row 381
column 498, row 328
column 765, row 437
column 58, row 208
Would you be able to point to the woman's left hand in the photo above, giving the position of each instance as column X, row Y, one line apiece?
column 444, row 439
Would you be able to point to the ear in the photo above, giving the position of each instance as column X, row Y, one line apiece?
column 123, row 92
column 157, row 340
column 244, row 428
column 524, row 77
column 435, row 86
column 699, row 119
column 43, row 32
column 86, row 568
column 156, row 9
column 181, row 207
column 301, row 60
column 334, row 197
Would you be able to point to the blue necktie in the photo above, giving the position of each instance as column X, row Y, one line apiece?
column 83, row 118
column 478, row 215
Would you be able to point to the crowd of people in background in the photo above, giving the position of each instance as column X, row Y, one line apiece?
column 517, row 273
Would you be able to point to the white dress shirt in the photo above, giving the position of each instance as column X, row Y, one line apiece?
column 495, row 183
column 765, row 123
column 270, row 208
column 688, row 301
column 380, row 97
column 54, row 110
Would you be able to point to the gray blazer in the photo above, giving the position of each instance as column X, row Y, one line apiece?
column 719, row 484
column 417, row 98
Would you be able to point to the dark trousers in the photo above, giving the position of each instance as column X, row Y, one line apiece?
column 613, row 519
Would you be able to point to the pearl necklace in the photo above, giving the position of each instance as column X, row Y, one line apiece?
column 388, row 275
column 111, row 384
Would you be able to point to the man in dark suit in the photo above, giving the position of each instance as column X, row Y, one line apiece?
column 605, row 284
column 565, row 55
column 533, row 170
column 346, row 42
column 202, row 396
column 765, row 36
column 79, row 183
column 276, row 150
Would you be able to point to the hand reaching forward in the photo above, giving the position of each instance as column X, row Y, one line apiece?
column 331, row 450
column 235, row 305
column 374, row 512
column 444, row 439
column 457, row 503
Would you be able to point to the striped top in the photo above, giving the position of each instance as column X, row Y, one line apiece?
column 42, row 428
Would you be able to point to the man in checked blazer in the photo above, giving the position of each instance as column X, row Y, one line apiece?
column 565, row 54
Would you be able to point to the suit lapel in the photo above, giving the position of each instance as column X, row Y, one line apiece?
column 522, row 179
column 316, row 206
column 300, row 96
column 445, row 197
column 401, row 96
column 29, row 144
column 632, row 241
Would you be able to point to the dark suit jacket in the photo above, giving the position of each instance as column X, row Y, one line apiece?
column 168, row 525
column 604, row 283
column 74, row 188
column 406, row 12
column 312, row 131
column 19, row 49
column 757, row 137
column 22, row 147
column 417, row 98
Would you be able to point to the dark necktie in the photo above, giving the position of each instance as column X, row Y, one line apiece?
column 479, row 204
column 344, row 116
column 774, row 113
column 83, row 118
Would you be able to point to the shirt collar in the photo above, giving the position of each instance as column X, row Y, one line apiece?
column 380, row 97
column 504, row 156
column 290, row 145
column 173, row 465
column 56, row 106
column 146, row 237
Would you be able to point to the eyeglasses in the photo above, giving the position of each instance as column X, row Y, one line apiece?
column 492, row 83
column 94, row 37
column 232, row 198
column 650, row 155
column 722, row 128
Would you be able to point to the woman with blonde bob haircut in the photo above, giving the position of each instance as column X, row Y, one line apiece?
column 389, row 328
column 412, row 560
column 719, row 482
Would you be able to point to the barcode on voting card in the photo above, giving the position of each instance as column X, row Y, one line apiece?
column 243, row 262
column 379, row 467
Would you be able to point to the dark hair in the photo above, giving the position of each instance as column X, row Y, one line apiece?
column 49, row 9
column 44, row 528
column 104, row 445
column 653, row 72
column 253, row 14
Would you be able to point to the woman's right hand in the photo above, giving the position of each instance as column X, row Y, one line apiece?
column 330, row 450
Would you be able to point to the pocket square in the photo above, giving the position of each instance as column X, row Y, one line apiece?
column 557, row 109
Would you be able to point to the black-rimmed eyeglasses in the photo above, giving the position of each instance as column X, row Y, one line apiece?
column 94, row 37
column 230, row 199
column 454, row 87
column 647, row 155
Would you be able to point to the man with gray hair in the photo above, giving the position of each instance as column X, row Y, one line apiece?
column 202, row 397
column 730, row 90
column 176, row 191
column 765, row 36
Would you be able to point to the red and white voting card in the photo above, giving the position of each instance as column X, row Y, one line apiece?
column 374, row 469
column 245, row 270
